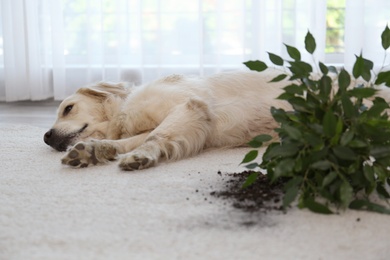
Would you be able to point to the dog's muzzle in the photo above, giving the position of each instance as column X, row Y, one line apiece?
column 59, row 141
column 56, row 141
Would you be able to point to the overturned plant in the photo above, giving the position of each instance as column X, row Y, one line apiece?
column 333, row 148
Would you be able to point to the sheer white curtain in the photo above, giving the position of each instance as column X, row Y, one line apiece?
column 49, row 48
column 364, row 22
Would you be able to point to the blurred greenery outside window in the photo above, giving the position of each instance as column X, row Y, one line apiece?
column 335, row 26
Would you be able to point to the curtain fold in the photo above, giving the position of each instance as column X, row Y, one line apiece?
column 25, row 73
column 49, row 48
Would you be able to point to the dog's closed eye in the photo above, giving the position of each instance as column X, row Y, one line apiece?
column 67, row 110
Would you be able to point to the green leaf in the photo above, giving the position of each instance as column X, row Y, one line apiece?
column 290, row 196
column 256, row 65
column 319, row 129
column 252, row 166
column 295, row 89
column 321, row 165
column 339, row 130
column 362, row 92
column 346, row 137
column 293, row 52
column 369, row 206
column 378, row 107
column 324, row 69
column 344, row 80
column 279, row 78
column 329, row 178
column 356, row 143
column 348, row 107
column 283, row 168
column 250, row 156
column 299, row 104
column 316, row 207
column 309, row 83
column 294, row 117
column 298, row 165
column 381, row 172
column 258, row 141
column 362, row 67
column 346, row 193
column 369, row 173
column 250, row 180
column 383, row 78
column 358, row 67
column 293, row 132
column 314, row 140
column 300, row 69
column 329, row 123
column 344, row 153
column 380, row 151
column 278, row 114
column 310, row 43
column 369, row 65
column 285, row 96
column 386, row 38
column 285, row 150
column 275, row 59
column 378, row 130
column 313, row 101
column 296, row 181
column 325, row 87
column 255, row 144
column 263, row 138
column 319, row 155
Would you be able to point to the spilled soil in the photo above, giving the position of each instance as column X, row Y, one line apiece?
column 261, row 196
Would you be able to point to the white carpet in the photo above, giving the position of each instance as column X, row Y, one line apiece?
column 48, row 211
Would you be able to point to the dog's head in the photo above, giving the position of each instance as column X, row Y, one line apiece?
column 85, row 114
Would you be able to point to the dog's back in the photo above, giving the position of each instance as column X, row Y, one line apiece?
column 242, row 102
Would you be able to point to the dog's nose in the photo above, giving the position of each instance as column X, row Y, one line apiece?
column 56, row 141
column 47, row 136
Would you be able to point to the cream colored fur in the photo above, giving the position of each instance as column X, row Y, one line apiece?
column 171, row 118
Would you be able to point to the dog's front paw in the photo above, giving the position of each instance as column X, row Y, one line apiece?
column 136, row 161
column 83, row 154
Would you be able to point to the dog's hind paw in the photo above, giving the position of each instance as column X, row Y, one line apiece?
column 84, row 154
column 135, row 161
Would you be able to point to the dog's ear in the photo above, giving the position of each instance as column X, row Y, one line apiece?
column 103, row 89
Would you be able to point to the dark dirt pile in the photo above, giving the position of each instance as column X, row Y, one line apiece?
column 261, row 196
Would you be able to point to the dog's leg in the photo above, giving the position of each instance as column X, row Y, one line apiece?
column 181, row 134
column 100, row 151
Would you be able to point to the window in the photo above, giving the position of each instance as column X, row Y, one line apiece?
column 335, row 28
column 335, row 20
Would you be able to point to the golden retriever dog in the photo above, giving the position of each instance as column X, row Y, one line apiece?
column 169, row 119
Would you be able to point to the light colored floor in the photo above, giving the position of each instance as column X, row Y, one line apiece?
column 40, row 113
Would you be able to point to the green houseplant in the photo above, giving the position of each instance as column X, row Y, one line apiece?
column 333, row 149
